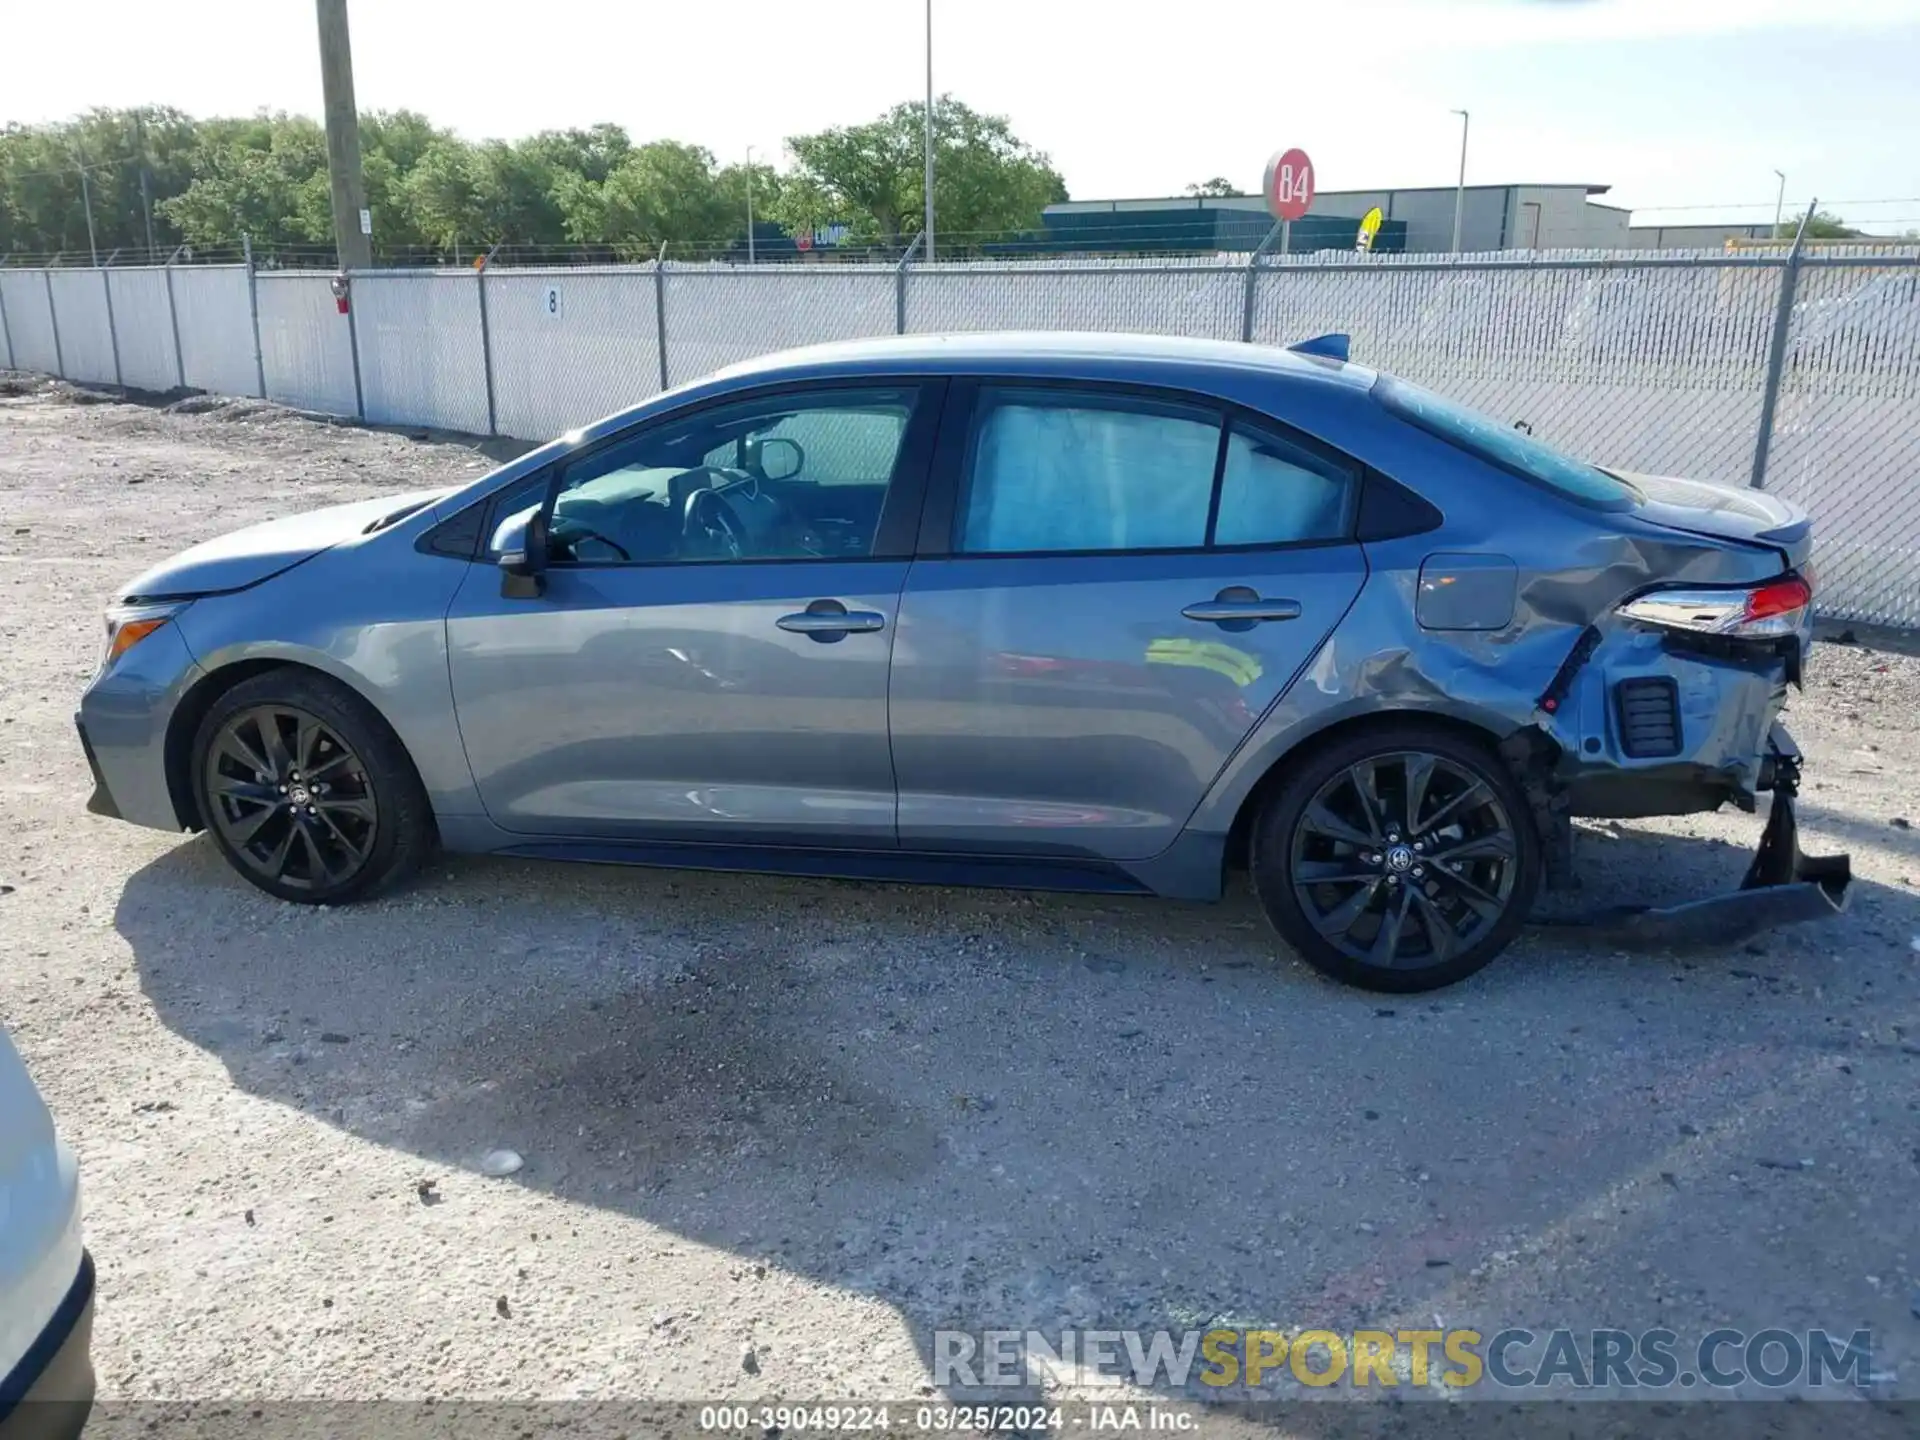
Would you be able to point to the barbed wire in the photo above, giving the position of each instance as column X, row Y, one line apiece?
column 1146, row 238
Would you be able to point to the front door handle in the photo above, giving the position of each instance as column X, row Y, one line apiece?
column 829, row 620
column 1241, row 607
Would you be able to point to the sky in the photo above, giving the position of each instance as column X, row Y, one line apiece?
column 1685, row 107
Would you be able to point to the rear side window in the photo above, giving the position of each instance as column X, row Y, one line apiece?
column 1510, row 449
column 1055, row 471
column 1274, row 492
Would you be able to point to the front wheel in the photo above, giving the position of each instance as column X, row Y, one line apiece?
column 306, row 790
column 1402, row 859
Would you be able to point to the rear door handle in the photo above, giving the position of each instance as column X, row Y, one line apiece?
column 1240, row 606
column 829, row 620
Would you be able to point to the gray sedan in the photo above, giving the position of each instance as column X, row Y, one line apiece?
column 1080, row 612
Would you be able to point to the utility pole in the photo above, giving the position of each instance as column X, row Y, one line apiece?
column 146, row 182
column 749, row 205
column 343, row 138
column 1779, row 202
column 1460, row 188
column 929, row 144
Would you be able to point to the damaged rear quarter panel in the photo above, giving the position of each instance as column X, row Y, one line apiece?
column 1572, row 567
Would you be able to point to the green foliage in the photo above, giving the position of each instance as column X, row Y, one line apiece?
column 1219, row 187
column 658, row 194
column 1824, row 225
column 872, row 178
column 209, row 182
column 265, row 177
column 42, row 208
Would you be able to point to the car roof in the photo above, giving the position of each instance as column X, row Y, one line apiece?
column 1065, row 354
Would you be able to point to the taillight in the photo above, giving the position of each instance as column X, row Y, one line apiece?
column 1788, row 595
column 1760, row 612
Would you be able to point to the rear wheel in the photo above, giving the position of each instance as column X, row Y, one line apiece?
column 1401, row 859
column 306, row 790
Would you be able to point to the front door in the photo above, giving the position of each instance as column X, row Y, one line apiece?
column 708, row 661
column 1133, row 581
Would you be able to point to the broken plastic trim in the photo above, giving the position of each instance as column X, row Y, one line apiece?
column 1782, row 887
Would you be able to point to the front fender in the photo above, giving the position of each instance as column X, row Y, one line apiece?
column 378, row 627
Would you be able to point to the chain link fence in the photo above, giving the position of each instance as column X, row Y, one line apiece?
column 1797, row 372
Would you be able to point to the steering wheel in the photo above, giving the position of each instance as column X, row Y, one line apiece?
column 709, row 518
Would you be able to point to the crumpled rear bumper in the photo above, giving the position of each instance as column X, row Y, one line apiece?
column 1782, row 885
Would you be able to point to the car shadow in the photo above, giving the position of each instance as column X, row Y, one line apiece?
column 990, row 1109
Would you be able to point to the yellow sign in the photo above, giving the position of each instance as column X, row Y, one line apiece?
column 1369, row 227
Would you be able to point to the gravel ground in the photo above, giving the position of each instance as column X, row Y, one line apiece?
column 824, row 1120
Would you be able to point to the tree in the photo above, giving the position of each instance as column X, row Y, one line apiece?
column 42, row 208
column 1218, row 187
column 1823, row 225
column 440, row 196
column 769, row 187
column 264, row 177
column 660, row 193
column 431, row 193
column 871, row 177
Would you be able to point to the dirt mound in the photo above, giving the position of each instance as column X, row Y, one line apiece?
column 230, row 407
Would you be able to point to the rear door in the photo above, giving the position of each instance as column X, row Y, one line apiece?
column 1113, row 586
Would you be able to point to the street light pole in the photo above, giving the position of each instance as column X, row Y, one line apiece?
column 1460, row 188
column 929, row 138
column 86, row 201
column 749, row 205
column 1779, row 200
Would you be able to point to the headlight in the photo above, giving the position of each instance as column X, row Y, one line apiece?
column 128, row 625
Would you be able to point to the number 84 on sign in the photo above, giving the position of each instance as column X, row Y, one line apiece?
column 1289, row 184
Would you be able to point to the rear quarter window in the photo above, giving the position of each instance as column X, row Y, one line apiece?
column 1511, row 450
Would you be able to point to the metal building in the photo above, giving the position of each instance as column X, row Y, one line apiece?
column 1493, row 217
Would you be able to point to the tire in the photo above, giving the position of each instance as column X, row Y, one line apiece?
column 354, row 820
column 1461, row 882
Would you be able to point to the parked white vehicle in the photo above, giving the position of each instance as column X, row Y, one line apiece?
column 46, row 1275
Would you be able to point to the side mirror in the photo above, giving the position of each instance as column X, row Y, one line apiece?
column 779, row 457
column 521, row 541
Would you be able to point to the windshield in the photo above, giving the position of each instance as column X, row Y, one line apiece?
column 1509, row 448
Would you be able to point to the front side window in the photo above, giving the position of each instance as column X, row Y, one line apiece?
column 1057, row 471
column 793, row 477
column 1511, row 449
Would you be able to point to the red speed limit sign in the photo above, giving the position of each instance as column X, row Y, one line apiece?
column 1289, row 184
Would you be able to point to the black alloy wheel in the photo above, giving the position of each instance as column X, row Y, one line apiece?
column 1398, row 866
column 306, row 789
column 291, row 798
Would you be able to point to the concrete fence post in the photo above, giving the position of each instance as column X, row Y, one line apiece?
column 113, row 330
column 900, row 284
column 253, row 314
column 660, row 308
column 353, row 349
column 486, row 343
column 1253, row 279
column 1777, row 354
column 173, row 322
column 53, row 318
column 6, row 331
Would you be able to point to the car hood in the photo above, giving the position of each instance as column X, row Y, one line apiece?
column 246, row 557
column 1723, row 512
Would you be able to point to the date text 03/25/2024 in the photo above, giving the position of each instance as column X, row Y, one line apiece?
column 943, row 1419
